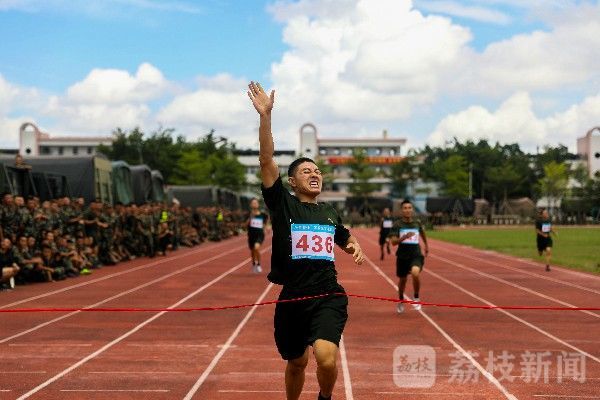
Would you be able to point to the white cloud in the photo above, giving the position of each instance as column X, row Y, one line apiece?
column 515, row 122
column 112, row 86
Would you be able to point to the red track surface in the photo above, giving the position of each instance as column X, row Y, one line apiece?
column 231, row 354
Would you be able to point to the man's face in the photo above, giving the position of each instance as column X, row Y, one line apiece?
column 19, row 201
column 8, row 200
column 31, row 241
column 407, row 210
column 254, row 204
column 307, row 179
column 22, row 241
column 386, row 212
column 5, row 245
column 545, row 214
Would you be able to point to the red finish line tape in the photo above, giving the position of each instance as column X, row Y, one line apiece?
column 264, row 303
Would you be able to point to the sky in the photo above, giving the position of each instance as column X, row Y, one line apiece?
column 425, row 70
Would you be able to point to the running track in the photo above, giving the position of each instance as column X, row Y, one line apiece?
column 231, row 355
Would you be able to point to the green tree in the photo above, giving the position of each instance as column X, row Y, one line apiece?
column 504, row 180
column 553, row 184
column 454, row 171
column 158, row 151
column 361, row 173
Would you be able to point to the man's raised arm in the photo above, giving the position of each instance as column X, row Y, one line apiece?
column 263, row 104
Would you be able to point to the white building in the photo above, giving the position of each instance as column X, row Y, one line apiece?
column 381, row 153
column 249, row 159
column 588, row 148
column 33, row 142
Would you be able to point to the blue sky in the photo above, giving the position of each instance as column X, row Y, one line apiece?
column 442, row 68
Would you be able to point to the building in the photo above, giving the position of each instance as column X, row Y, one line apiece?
column 249, row 159
column 588, row 148
column 33, row 142
column 381, row 153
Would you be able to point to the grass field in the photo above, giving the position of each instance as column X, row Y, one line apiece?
column 576, row 248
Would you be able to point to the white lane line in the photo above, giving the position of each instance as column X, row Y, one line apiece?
column 130, row 332
column 127, row 271
column 226, row 346
column 22, row 372
column 525, row 289
column 457, row 346
column 532, row 326
column 521, row 271
column 346, row 371
column 166, row 345
column 152, row 282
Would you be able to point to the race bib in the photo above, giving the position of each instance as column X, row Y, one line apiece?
column 387, row 223
column 256, row 223
column 313, row 241
column 546, row 228
column 414, row 239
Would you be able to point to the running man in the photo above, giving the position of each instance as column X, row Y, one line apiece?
column 304, row 234
column 406, row 233
column 257, row 221
column 385, row 226
column 543, row 228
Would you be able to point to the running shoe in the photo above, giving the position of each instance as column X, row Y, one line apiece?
column 258, row 269
column 400, row 308
column 417, row 307
column 85, row 271
column 11, row 282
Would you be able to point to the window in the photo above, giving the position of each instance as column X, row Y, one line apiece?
column 322, row 152
column 61, row 150
column 90, row 150
column 44, row 150
column 75, row 150
column 336, row 152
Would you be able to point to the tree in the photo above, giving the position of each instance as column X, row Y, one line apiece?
column 504, row 179
column 554, row 183
column 361, row 173
column 454, row 171
column 402, row 174
column 158, row 151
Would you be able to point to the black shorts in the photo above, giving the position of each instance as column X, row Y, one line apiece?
column 404, row 265
column 299, row 324
column 255, row 238
column 382, row 239
column 543, row 243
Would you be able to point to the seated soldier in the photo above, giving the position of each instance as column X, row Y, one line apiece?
column 8, row 265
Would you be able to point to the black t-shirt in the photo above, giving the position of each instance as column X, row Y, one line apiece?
column 544, row 225
column 256, row 223
column 303, row 238
column 385, row 227
column 411, row 247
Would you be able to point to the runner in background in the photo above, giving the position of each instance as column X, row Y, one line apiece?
column 543, row 228
column 257, row 221
column 406, row 234
column 385, row 226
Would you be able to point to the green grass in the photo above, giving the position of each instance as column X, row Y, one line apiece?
column 576, row 248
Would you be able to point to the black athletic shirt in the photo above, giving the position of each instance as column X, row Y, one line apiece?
column 317, row 227
column 410, row 247
column 254, row 230
column 543, row 225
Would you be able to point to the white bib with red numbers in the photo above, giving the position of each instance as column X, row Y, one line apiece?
column 313, row 241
